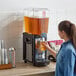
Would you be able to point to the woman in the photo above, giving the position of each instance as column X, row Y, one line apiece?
column 65, row 64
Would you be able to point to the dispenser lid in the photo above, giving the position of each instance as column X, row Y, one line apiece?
column 36, row 12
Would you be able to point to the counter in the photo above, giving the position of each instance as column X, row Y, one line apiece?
column 26, row 69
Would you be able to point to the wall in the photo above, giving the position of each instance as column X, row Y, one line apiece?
column 11, row 19
column 51, row 4
column 55, row 17
column 11, row 33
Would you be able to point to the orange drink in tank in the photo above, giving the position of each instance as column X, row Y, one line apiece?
column 36, row 25
column 27, row 24
column 43, row 25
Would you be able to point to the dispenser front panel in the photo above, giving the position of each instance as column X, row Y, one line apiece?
column 39, row 50
column 29, row 52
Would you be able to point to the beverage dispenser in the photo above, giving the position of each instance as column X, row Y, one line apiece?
column 35, row 32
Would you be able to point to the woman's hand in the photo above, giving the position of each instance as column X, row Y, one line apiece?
column 49, row 49
column 46, row 44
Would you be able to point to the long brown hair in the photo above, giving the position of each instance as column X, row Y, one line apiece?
column 70, row 29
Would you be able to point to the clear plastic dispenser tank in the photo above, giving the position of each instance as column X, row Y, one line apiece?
column 36, row 20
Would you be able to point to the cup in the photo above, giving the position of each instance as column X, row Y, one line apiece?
column 42, row 47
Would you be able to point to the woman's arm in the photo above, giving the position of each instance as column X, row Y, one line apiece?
column 49, row 49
